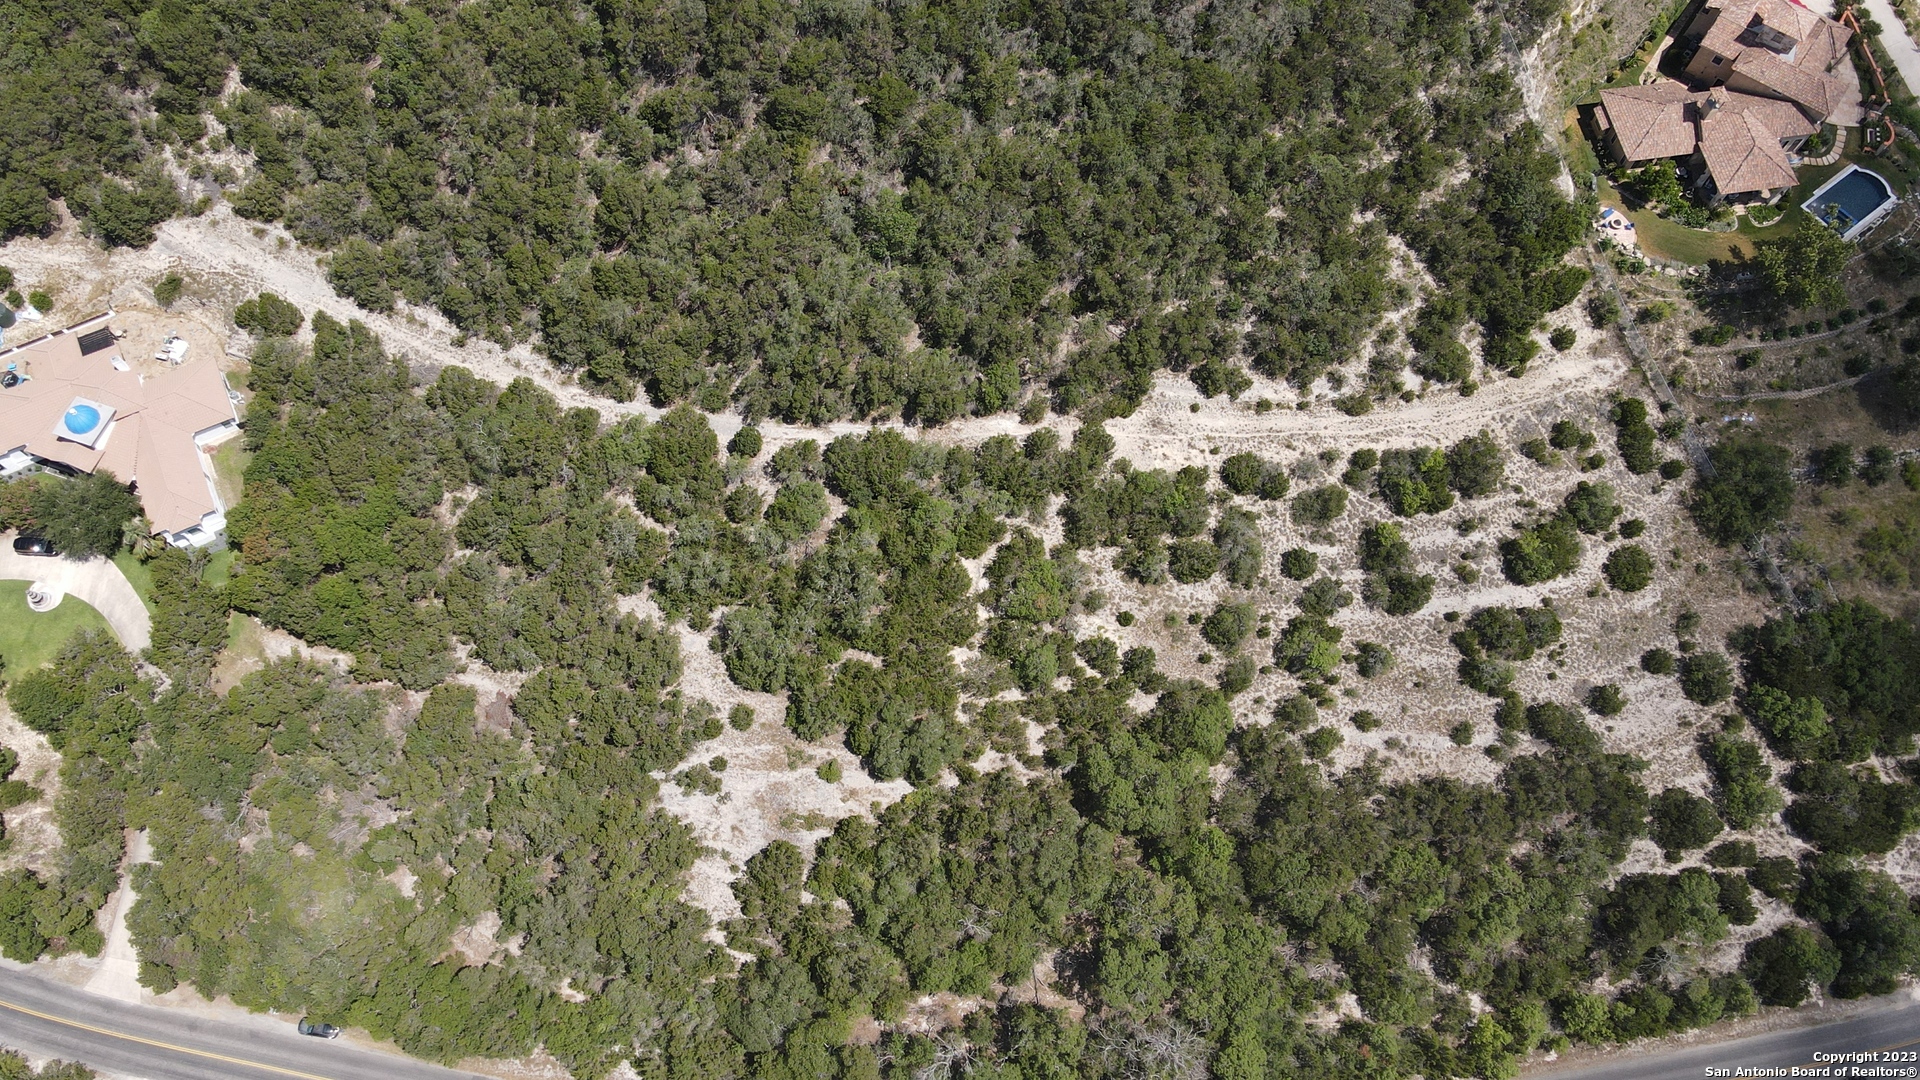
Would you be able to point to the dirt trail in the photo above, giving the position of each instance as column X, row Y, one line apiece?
column 118, row 976
column 1165, row 431
column 227, row 259
column 770, row 789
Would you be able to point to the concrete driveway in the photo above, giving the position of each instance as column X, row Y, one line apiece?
column 96, row 581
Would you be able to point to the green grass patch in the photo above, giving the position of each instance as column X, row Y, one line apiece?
column 219, row 568
column 1630, row 75
column 1581, row 158
column 1666, row 239
column 139, row 575
column 243, row 634
column 230, row 469
column 31, row 639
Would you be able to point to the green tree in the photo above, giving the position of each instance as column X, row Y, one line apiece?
column 24, row 209
column 1319, row 506
column 1787, row 964
column 268, row 316
column 1706, row 678
column 1634, row 436
column 1682, row 822
column 1797, row 727
column 1592, row 506
column 357, row 272
column 1749, row 491
column 1541, row 552
column 1868, row 918
column 168, row 289
column 1299, row 564
column 1192, row 561
column 1606, row 700
column 1476, row 466
column 1802, row 269
column 1833, row 464
column 123, row 216
column 20, row 938
column 1229, row 626
column 86, row 515
column 1628, row 568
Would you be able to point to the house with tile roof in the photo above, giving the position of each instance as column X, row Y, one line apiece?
column 1766, row 74
column 1772, row 48
column 71, row 403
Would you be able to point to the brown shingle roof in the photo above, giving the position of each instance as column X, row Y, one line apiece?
column 1742, row 154
column 1651, row 121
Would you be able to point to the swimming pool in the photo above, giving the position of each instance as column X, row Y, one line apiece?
column 1853, row 201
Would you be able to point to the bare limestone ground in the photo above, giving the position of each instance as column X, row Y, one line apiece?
column 33, row 838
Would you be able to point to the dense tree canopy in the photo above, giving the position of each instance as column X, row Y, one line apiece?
column 1200, row 881
column 914, row 211
column 1749, row 491
column 813, row 214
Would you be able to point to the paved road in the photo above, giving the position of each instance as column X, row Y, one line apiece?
column 44, row 1017
column 1890, row 1025
column 1893, row 38
column 97, row 581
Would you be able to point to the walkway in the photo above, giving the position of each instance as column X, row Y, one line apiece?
column 96, row 581
column 1791, row 395
column 118, row 976
column 1895, row 39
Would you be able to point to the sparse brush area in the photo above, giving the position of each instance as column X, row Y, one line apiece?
column 1165, row 736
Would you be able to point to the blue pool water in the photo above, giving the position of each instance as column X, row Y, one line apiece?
column 1856, row 193
column 81, row 419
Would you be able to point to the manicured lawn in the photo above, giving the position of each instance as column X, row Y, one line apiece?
column 139, row 575
column 30, row 639
column 1669, row 240
column 219, row 568
column 1665, row 239
column 230, row 469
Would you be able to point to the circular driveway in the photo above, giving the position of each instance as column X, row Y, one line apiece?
column 97, row 581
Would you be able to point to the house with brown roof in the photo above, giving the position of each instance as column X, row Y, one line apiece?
column 70, row 402
column 1773, row 48
column 1767, row 74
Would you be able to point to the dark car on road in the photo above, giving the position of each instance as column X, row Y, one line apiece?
column 33, row 545
column 317, row 1029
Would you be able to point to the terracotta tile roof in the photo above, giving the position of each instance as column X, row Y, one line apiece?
column 1783, row 118
column 1742, row 154
column 1801, row 74
column 151, row 438
column 1811, row 89
column 1651, row 121
column 1662, row 119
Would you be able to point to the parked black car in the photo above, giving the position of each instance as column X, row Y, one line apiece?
column 318, row 1030
column 33, row 545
